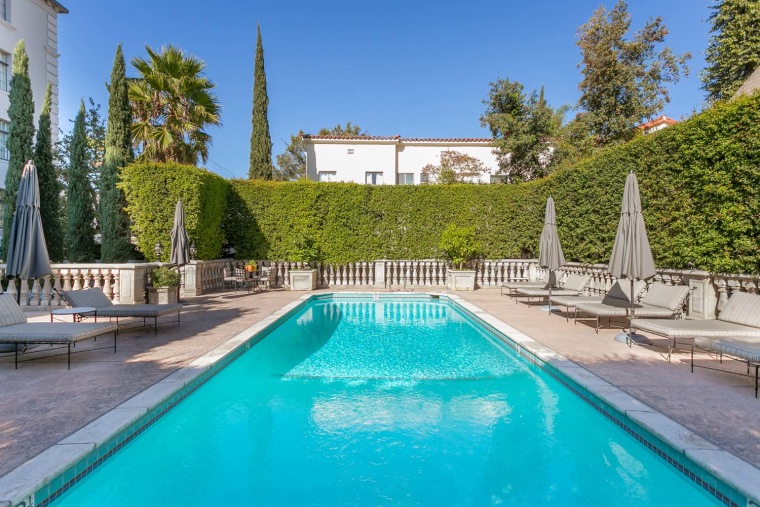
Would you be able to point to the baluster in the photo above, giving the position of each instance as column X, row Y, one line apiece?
column 24, row 293
column 36, row 293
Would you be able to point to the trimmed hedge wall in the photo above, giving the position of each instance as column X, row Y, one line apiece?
column 700, row 183
column 152, row 191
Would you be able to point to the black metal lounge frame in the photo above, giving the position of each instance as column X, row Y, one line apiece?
column 18, row 345
column 145, row 322
column 720, row 355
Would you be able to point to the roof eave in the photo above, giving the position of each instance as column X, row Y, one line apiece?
column 57, row 6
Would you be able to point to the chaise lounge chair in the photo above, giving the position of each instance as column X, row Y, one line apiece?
column 569, row 302
column 16, row 330
column 512, row 287
column 660, row 302
column 736, row 331
column 573, row 286
column 104, row 308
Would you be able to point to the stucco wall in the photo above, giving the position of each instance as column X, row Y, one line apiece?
column 367, row 157
column 390, row 157
column 36, row 23
column 413, row 157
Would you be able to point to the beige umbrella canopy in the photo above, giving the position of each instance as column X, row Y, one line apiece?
column 631, row 256
column 550, row 254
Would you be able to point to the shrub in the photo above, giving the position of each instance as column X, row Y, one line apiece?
column 152, row 190
column 165, row 277
column 459, row 245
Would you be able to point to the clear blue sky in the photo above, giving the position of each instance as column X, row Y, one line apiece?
column 415, row 68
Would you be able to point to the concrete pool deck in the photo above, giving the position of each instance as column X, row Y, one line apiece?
column 44, row 403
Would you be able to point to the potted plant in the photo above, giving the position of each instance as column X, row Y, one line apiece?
column 460, row 246
column 250, row 266
column 305, row 252
column 164, row 286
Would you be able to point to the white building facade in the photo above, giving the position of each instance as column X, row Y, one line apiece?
column 36, row 22
column 393, row 160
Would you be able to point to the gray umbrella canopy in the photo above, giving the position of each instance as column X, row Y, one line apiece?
column 180, row 241
column 550, row 254
column 27, row 251
column 631, row 256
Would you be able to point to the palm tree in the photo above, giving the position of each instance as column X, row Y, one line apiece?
column 172, row 103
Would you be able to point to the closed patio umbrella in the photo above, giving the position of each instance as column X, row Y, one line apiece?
column 631, row 256
column 27, row 250
column 180, row 254
column 180, row 241
column 550, row 254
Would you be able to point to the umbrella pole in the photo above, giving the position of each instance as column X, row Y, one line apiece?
column 630, row 338
column 18, row 292
column 630, row 322
column 548, row 308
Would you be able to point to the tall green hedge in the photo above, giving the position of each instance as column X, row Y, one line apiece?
column 700, row 183
column 152, row 191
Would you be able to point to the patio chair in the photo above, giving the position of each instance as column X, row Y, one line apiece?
column 17, row 331
column 105, row 308
column 573, row 286
column 512, row 287
column 265, row 278
column 660, row 301
column 229, row 277
column 738, row 322
column 242, row 279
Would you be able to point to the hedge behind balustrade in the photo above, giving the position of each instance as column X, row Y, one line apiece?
column 152, row 191
column 700, row 183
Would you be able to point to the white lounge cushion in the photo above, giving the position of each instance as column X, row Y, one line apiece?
column 10, row 313
column 666, row 296
column 571, row 301
column 742, row 308
column 53, row 332
column 748, row 349
column 692, row 328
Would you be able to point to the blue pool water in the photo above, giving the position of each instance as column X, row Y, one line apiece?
column 361, row 402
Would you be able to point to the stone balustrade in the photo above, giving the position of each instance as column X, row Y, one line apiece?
column 126, row 283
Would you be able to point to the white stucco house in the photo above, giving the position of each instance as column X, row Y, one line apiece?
column 35, row 21
column 391, row 160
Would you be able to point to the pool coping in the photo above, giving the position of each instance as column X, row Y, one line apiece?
column 71, row 458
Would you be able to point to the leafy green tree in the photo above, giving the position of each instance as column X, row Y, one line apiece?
column 624, row 81
column 95, row 131
column 291, row 164
column 455, row 167
column 524, row 129
column 734, row 49
column 261, row 142
column 172, row 103
column 80, row 230
column 50, row 189
column 20, row 136
column 114, row 221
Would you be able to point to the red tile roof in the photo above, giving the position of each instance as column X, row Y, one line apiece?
column 657, row 122
column 353, row 138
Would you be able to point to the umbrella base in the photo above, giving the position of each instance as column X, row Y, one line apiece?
column 638, row 339
column 548, row 308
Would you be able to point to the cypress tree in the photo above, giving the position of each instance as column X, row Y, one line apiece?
column 114, row 222
column 261, row 142
column 734, row 49
column 80, row 233
column 50, row 190
column 20, row 136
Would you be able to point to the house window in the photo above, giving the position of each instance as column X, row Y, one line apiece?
column 374, row 179
column 497, row 178
column 4, row 60
column 406, row 178
column 350, row 151
column 4, row 126
column 424, row 178
column 4, row 9
column 326, row 175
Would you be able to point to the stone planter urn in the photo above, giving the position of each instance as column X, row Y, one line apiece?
column 303, row 279
column 460, row 279
column 162, row 295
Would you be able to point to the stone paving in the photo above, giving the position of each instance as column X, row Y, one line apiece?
column 43, row 403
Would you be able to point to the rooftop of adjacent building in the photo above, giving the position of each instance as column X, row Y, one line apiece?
column 398, row 139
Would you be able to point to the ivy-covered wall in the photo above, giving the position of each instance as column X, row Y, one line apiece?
column 152, row 191
column 700, row 183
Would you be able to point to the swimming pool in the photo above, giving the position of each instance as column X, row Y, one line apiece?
column 364, row 401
